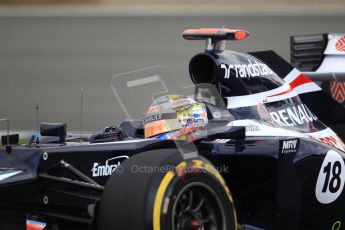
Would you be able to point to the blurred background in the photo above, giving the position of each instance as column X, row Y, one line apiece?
column 50, row 49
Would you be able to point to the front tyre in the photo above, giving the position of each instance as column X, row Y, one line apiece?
column 168, row 193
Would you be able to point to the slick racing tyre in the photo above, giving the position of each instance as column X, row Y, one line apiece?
column 159, row 190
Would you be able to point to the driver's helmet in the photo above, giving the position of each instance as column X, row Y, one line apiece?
column 175, row 117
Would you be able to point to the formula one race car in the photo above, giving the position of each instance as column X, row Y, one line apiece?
column 244, row 148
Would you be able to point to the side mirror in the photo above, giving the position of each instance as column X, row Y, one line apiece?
column 54, row 130
column 12, row 139
column 227, row 132
column 220, row 130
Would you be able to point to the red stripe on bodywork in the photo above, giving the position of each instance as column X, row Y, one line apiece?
column 298, row 81
column 282, row 93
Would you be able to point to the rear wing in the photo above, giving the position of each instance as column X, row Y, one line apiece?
column 320, row 56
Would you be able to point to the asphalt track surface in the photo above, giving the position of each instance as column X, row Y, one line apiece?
column 45, row 61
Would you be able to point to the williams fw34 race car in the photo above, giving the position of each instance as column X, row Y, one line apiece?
column 251, row 145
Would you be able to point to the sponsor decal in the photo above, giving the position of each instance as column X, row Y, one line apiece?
column 154, row 117
column 188, row 121
column 99, row 170
column 252, row 69
column 181, row 102
column 338, row 91
column 193, row 122
column 289, row 146
column 155, row 108
column 263, row 113
column 293, row 116
column 158, row 117
column 330, row 182
column 195, row 115
column 340, row 45
column 252, row 128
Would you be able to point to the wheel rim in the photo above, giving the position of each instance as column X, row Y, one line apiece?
column 197, row 207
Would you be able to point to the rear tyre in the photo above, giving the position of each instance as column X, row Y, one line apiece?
column 160, row 190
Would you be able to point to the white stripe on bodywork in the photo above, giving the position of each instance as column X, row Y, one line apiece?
column 7, row 175
column 257, row 98
column 292, row 75
column 307, row 88
column 264, row 97
column 270, row 131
